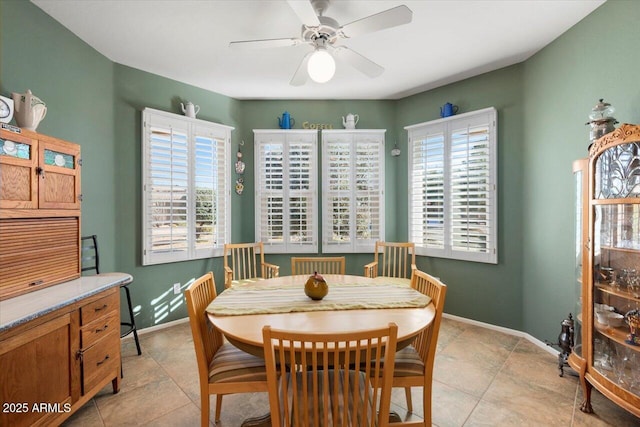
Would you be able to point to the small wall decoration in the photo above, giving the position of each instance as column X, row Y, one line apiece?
column 240, row 167
column 239, row 185
column 239, row 163
column 307, row 125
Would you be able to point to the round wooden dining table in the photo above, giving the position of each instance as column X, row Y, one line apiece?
column 245, row 330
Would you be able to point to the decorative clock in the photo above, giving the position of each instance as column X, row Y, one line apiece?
column 6, row 109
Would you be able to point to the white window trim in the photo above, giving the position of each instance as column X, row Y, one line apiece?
column 419, row 131
column 152, row 117
column 354, row 245
column 286, row 137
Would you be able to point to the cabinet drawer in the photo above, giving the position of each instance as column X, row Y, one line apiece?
column 99, row 360
column 98, row 329
column 99, row 308
column 38, row 252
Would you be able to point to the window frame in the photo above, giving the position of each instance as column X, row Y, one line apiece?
column 286, row 137
column 353, row 138
column 417, row 134
column 193, row 128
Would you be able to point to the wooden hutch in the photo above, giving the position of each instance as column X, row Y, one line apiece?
column 58, row 355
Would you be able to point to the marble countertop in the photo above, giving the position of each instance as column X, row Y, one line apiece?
column 21, row 309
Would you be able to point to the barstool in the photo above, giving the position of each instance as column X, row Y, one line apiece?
column 91, row 261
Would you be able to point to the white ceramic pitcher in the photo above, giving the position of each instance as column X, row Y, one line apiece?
column 29, row 110
column 190, row 110
column 350, row 121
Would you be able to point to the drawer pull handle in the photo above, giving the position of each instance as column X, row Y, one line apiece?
column 103, row 360
column 36, row 283
column 101, row 308
column 104, row 328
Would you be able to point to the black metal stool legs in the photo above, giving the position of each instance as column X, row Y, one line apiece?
column 131, row 325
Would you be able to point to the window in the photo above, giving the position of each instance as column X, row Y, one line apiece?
column 286, row 171
column 186, row 190
column 452, row 187
column 352, row 190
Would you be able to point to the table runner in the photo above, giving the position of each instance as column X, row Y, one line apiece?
column 260, row 299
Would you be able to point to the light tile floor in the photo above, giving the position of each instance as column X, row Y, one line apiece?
column 481, row 378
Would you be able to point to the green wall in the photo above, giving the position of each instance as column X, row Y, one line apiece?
column 263, row 115
column 542, row 106
column 486, row 292
column 134, row 91
column 76, row 83
column 597, row 58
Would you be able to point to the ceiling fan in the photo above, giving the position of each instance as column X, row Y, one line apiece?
column 322, row 33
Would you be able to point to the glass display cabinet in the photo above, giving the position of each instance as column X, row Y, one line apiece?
column 581, row 183
column 608, row 357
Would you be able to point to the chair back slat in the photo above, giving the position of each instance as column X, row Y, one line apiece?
column 243, row 261
column 321, row 265
column 395, row 258
column 206, row 339
column 319, row 380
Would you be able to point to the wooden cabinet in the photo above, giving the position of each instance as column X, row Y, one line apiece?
column 38, row 172
column 36, row 368
column 609, row 357
column 39, row 212
column 54, row 364
column 100, row 339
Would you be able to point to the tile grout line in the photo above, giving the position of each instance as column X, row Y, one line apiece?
column 493, row 379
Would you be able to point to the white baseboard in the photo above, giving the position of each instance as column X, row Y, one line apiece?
column 502, row 329
column 158, row 327
column 508, row 331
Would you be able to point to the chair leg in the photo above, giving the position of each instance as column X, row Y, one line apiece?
column 407, row 393
column 132, row 323
column 426, row 405
column 204, row 410
column 218, row 407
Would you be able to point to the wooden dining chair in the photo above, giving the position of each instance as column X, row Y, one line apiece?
column 245, row 261
column 328, row 388
column 414, row 363
column 222, row 368
column 321, row 265
column 392, row 259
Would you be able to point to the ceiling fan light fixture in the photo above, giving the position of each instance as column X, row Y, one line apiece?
column 321, row 66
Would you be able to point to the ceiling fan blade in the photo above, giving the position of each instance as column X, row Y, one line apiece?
column 266, row 43
column 389, row 18
column 357, row 61
column 301, row 75
column 305, row 12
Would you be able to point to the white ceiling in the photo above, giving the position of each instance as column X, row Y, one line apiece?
column 188, row 41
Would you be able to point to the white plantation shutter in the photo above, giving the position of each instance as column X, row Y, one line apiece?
column 286, row 197
column 427, row 189
column 471, row 190
column 211, row 183
column 352, row 190
column 452, row 185
column 186, row 194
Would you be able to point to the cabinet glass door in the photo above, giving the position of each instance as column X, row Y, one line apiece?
column 616, row 266
column 580, row 183
column 18, row 180
column 59, row 179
